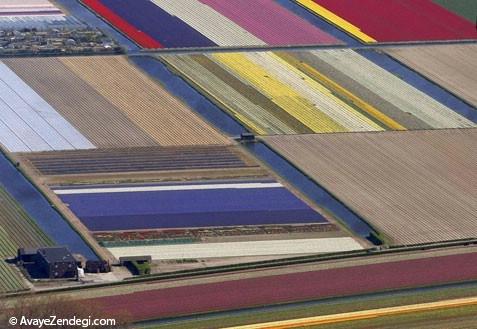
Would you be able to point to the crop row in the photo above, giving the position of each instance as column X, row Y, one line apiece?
column 17, row 230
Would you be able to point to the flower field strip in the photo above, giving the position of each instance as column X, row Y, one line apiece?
column 285, row 85
column 205, row 23
column 17, row 230
column 104, row 124
column 396, row 179
column 145, row 159
column 315, row 8
column 271, row 22
column 162, row 116
column 10, row 278
column 28, row 8
column 141, row 38
column 464, row 8
column 410, row 101
column 287, row 108
column 238, row 249
column 311, row 91
column 395, row 21
column 113, row 103
column 165, row 29
column 453, row 67
column 29, row 123
column 278, row 289
column 185, row 206
column 210, row 23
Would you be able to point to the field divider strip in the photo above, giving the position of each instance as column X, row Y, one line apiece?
column 169, row 188
column 361, row 315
